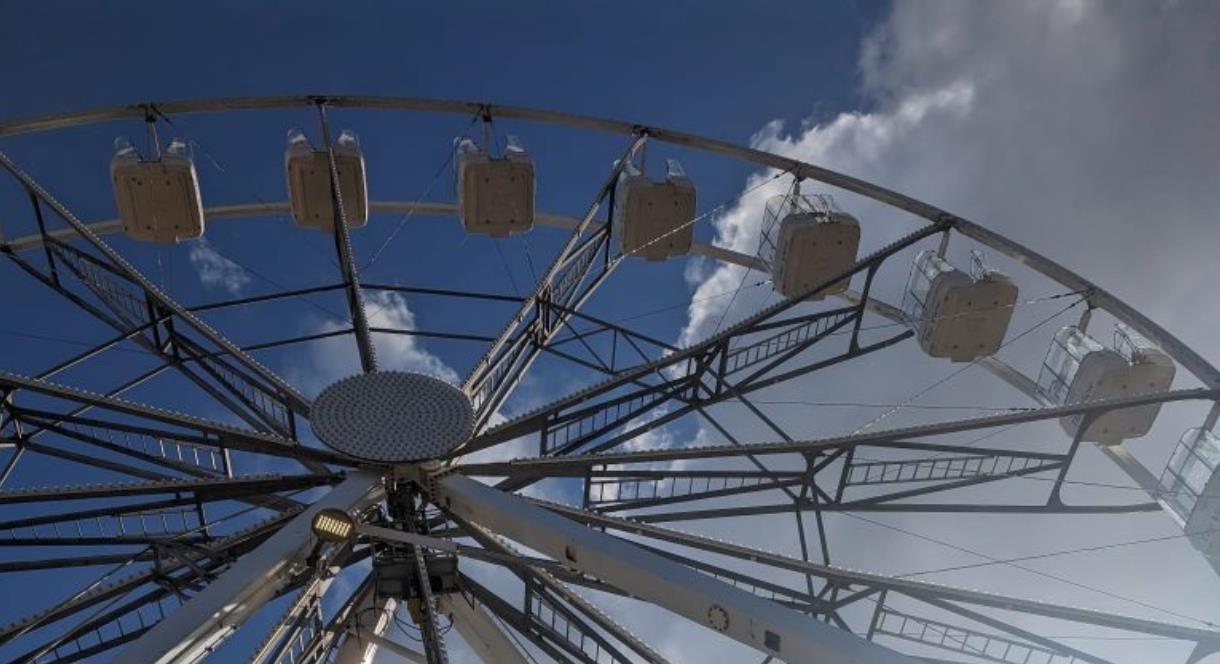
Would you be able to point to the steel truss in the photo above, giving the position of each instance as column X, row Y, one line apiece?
column 184, row 429
column 118, row 295
column 178, row 572
column 758, row 352
column 179, row 587
column 581, row 266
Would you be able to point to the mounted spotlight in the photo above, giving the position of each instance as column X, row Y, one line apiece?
column 334, row 525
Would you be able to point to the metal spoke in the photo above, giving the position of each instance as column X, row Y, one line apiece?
column 555, row 646
column 558, row 292
column 900, row 438
column 621, row 489
column 479, row 630
column 703, row 370
column 352, row 635
column 347, row 261
column 193, row 563
column 434, row 643
column 556, row 612
column 113, row 281
column 201, row 489
column 219, row 435
column 297, row 628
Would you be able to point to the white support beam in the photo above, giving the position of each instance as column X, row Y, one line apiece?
column 191, row 632
column 298, row 614
column 369, row 622
column 390, row 646
column 752, row 620
column 480, row 632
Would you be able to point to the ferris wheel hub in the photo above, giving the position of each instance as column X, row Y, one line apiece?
column 392, row 417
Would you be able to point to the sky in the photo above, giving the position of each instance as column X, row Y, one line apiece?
column 1086, row 130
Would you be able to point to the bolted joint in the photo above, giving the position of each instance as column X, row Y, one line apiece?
column 426, row 475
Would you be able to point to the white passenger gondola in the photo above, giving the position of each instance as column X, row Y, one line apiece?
column 1078, row 369
column 957, row 315
column 807, row 241
column 158, row 199
column 309, row 186
column 495, row 194
column 654, row 220
column 1190, row 487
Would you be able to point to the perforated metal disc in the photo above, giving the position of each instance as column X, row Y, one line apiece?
column 392, row 417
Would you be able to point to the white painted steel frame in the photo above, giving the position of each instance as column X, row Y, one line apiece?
column 391, row 646
column 749, row 619
column 512, row 515
column 480, row 632
column 190, row 633
column 357, row 648
column 294, row 399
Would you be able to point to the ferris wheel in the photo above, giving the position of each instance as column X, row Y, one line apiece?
column 233, row 504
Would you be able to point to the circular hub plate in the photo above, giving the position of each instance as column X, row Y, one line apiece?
column 392, row 417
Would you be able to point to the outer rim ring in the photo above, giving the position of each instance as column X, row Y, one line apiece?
column 1098, row 297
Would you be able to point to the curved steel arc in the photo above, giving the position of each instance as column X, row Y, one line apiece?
column 1189, row 359
column 1005, row 372
column 213, row 488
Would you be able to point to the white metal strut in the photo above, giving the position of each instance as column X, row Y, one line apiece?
column 752, row 620
column 193, row 631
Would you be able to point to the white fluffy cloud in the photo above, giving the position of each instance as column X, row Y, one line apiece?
column 387, row 309
column 1088, row 131
column 216, row 271
column 336, row 358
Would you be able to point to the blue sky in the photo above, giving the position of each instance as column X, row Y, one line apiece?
column 716, row 71
column 689, row 65
column 1033, row 118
